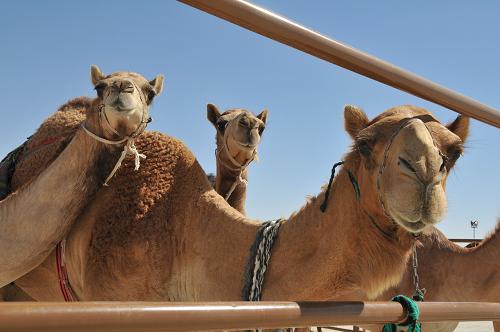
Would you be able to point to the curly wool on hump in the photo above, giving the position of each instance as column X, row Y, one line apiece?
column 133, row 192
column 49, row 140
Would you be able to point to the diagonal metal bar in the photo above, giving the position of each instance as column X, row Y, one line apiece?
column 285, row 31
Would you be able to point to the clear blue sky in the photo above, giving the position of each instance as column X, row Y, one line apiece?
column 47, row 48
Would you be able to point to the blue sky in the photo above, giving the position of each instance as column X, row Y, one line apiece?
column 47, row 49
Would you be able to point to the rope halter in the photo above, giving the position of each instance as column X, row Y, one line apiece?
column 129, row 148
column 382, row 166
column 236, row 166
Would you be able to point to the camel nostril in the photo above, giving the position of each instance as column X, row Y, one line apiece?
column 406, row 164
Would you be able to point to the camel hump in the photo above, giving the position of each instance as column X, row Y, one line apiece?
column 49, row 140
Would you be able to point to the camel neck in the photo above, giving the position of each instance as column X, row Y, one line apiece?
column 68, row 182
column 226, row 178
column 342, row 253
column 337, row 254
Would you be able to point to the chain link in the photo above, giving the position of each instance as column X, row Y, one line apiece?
column 419, row 292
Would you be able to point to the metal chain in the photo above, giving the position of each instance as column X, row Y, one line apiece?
column 415, row 267
column 419, row 292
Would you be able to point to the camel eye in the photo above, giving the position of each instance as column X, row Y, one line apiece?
column 261, row 129
column 221, row 126
column 99, row 88
column 151, row 94
column 243, row 122
column 443, row 165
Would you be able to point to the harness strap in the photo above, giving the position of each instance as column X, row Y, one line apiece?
column 260, row 253
column 62, row 274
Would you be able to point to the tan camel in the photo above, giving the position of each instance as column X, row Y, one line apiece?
column 163, row 233
column 238, row 136
column 55, row 193
column 449, row 272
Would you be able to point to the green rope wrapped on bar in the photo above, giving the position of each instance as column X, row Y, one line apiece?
column 411, row 321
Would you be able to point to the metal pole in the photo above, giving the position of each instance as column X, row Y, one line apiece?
column 285, row 31
column 156, row 316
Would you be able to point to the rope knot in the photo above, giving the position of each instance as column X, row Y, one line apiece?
column 129, row 148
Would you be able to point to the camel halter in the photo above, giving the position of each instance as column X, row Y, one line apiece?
column 129, row 147
column 384, row 162
column 237, row 166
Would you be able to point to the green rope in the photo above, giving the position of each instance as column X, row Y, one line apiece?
column 412, row 318
column 355, row 184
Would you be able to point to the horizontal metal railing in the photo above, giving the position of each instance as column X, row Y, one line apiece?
column 283, row 30
column 465, row 240
column 168, row 316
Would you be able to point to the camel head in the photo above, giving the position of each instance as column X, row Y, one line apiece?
column 405, row 157
column 238, row 132
column 124, row 99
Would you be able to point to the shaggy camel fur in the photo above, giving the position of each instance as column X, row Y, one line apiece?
column 451, row 273
column 163, row 233
column 238, row 136
column 62, row 188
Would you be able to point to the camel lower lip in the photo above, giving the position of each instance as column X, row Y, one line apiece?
column 246, row 146
column 413, row 227
column 120, row 109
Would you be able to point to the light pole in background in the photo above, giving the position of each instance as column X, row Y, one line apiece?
column 474, row 224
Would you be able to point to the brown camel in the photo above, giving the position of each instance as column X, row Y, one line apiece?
column 238, row 136
column 162, row 233
column 54, row 196
column 449, row 272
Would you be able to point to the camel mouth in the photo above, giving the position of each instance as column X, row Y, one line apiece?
column 121, row 108
column 247, row 146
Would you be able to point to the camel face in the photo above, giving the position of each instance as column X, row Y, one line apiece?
column 407, row 155
column 125, row 98
column 239, row 129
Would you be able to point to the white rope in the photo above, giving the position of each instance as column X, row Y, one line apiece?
column 129, row 148
column 239, row 180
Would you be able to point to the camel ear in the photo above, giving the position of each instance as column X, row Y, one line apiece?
column 460, row 127
column 96, row 74
column 263, row 115
column 213, row 114
column 157, row 84
column 355, row 120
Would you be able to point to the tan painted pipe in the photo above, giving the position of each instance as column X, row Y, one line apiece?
column 283, row 30
column 156, row 316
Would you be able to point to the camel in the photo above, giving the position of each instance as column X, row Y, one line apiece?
column 449, row 272
column 238, row 136
column 55, row 193
column 163, row 234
